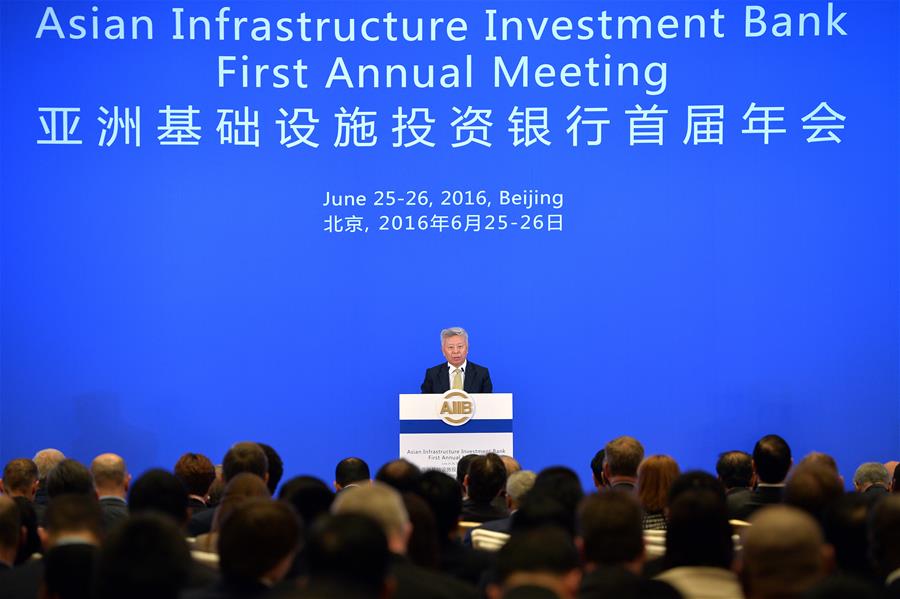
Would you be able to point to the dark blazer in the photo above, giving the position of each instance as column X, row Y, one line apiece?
column 113, row 510
column 477, row 379
column 201, row 522
column 615, row 582
column 748, row 503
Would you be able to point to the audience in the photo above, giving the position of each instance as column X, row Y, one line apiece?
column 539, row 563
column 884, row 539
column 69, row 477
column 771, row 463
column 872, row 478
column 197, row 473
column 813, row 487
column 351, row 472
column 111, row 480
column 10, row 532
column 597, row 470
column 623, row 455
column 20, row 479
column 735, row 471
column 485, row 484
column 400, row 474
column 655, row 477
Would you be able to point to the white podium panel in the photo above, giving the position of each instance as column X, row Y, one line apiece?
column 436, row 430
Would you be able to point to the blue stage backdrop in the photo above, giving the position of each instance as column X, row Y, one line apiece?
column 250, row 220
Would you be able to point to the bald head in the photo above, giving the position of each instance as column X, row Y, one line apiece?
column 46, row 460
column 784, row 553
column 110, row 475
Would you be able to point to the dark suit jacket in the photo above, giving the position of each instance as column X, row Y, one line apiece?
column 113, row 510
column 749, row 503
column 614, row 582
column 477, row 379
column 414, row 582
column 201, row 522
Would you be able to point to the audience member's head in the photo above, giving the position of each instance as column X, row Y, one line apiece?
column 158, row 490
column 698, row 530
column 812, row 487
column 871, row 475
column 32, row 540
column 110, row 475
column 893, row 469
column 845, row 530
column 351, row 471
column 771, row 459
column 462, row 467
column 196, row 472
column 257, row 542
column 562, row 485
column 784, row 553
column 20, row 478
column 539, row 509
column 241, row 488
column 512, row 465
column 884, row 534
column 146, row 557
column 441, row 492
column 597, row 469
column 403, row 475
column 10, row 530
column 69, row 572
column 71, row 517
column 623, row 456
column 275, row 467
column 544, row 557
column 245, row 456
column 486, row 478
column 655, row 477
column 46, row 460
column 349, row 551
column 517, row 485
column 823, row 459
column 735, row 469
column 69, row 477
column 310, row 497
column 611, row 531
column 423, row 547
column 383, row 504
column 693, row 480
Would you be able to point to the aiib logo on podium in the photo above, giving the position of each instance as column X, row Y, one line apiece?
column 457, row 408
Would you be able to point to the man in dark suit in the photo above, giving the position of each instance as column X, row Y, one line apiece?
column 623, row 456
column 10, row 530
column 884, row 537
column 735, row 471
column 457, row 372
column 111, row 480
column 771, row 463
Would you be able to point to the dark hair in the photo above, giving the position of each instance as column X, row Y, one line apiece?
column 563, row 486
column 245, row 457
column 698, row 530
column 844, row 523
column 772, row 457
column 545, row 549
column 693, row 480
column 350, row 549
column 29, row 519
column 597, row 465
column 443, row 495
column 462, row 466
column 19, row 476
column 611, row 528
column 884, row 534
column 69, row 571
column 257, row 535
column 196, row 472
column 276, row 467
column 69, row 476
column 623, row 456
column 400, row 474
column 159, row 490
column 812, row 488
column 74, row 512
column 351, row 470
column 487, row 477
column 146, row 557
column 735, row 469
column 538, row 510
column 422, row 548
column 10, row 523
column 310, row 497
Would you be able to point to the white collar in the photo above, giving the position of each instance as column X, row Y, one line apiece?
column 461, row 366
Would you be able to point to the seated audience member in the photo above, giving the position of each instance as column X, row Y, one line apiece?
column 351, row 472
column 893, row 470
column 111, row 480
column 10, row 532
column 384, row 504
column 517, row 485
column 597, row 470
column 562, row 485
column 45, row 460
column 70, row 477
column 462, row 469
column 735, row 471
column 31, row 545
column 241, row 488
column 884, row 539
column 245, row 456
column 817, row 457
column 441, row 493
column 311, row 497
column 699, row 548
column 812, row 487
column 423, row 546
column 158, row 490
column 69, row 572
column 784, row 554
column 196, row 472
column 144, row 558
column 540, row 563
column 512, row 465
column 20, row 479
column 275, row 467
column 872, row 479
column 485, row 484
column 623, row 455
column 655, row 476
column 771, row 463
column 844, row 522
column 403, row 475
column 612, row 550
column 348, row 558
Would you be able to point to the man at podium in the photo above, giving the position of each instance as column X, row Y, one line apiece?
column 457, row 372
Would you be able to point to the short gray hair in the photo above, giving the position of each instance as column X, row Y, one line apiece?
column 377, row 501
column 453, row 332
column 519, row 483
column 872, row 473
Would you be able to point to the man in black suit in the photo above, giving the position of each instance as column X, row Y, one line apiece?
column 884, row 538
column 735, row 471
column 10, row 531
column 623, row 456
column 771, row 463
column 111, row 480
column 457, row 372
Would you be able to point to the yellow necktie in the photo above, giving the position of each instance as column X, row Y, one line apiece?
column 457, row 379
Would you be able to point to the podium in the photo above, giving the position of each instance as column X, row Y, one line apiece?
column 436, row 430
